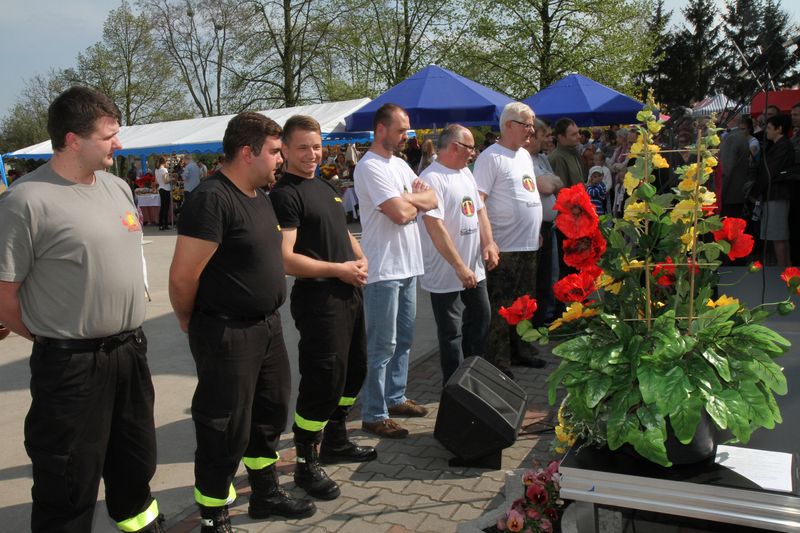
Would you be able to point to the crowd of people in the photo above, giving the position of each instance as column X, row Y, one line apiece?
column 473, row 224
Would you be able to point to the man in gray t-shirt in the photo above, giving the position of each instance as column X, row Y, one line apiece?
column 71, row 280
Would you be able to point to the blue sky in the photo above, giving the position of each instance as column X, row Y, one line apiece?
column 37, row 35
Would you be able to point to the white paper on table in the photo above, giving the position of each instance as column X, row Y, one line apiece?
column 769, row 470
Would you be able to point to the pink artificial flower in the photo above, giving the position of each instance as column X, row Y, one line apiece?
column 545, row 526
column 537, row 494
column 528, row 478
column 532, row 514
column 501, row 524
column 514, row 521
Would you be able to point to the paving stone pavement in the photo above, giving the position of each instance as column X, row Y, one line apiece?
column 410, row 487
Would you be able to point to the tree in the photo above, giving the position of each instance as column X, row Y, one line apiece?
column 654, row 76
column 702, row 37
column 780, row 63
column 196, row 36
column 128, row 67
column 26, row 122
column 521, row 46
column 742, row 19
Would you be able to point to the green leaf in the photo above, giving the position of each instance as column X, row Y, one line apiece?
column 758, row 408
column 702, row 376
column 648, row 383
column 724, row 246
column 738, row 420
column 597, row 387
column 766, row 338
column 669, row 345
column 719, row 362
column 650, row 445
column 685, row 417
column 555, row 378
column 621, row 422
column 531, row 335
column 712, row 316
column 718, row 410
column 651, row 418
column 622, row 330
column 672, row 390
column 711, row 253
column 645, row 191
column 578, row 349
column 771, row 403
column 523, row 326
column 768, row 371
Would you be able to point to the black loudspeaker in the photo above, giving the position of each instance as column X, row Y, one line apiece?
column 480, row 414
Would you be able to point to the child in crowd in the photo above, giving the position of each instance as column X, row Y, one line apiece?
column 596, row 189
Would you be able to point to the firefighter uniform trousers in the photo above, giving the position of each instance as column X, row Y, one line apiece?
column 240, row 404
column 91, row 416
column 329, row 314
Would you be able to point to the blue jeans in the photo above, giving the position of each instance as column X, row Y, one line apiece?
column 390, row 308
column 471, row 309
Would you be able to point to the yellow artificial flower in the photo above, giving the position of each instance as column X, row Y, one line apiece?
column 653, row 148
column 691, row 172
column 688, row 238
column 713, row 140
column 630, row 183
column 636, row 148
column 710, row 161
column 654, row 126
column 707, row 197
column 659, row 161
column 574, row 312
column 633, row 264
column 644, row 115
column 722, row 300
column 683, row 210
column 634, row 210
column 687, row 184
column 608, row 283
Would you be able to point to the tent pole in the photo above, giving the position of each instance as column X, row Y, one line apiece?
column 3, row 171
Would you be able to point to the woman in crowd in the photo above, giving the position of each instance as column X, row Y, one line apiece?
column 773, row 188
column 428, row 156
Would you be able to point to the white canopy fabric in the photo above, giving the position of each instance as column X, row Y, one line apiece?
column 204, row 135
column 713, row 104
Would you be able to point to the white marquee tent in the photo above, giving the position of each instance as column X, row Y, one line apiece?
column 204, row 135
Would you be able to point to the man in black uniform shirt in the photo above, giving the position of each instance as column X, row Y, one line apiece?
column 326, row 304
column 226, row 284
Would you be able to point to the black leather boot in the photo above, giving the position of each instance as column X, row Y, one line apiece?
column 268, row 498
column 310, row 476
column 336, row 448
column 215, row 520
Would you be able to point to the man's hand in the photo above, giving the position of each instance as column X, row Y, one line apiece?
column 491, row 255
column 419, row 186
column 354, row 272
column 467, row 277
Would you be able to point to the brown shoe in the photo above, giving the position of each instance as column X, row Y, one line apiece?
column 408, row 408
column 385, row 428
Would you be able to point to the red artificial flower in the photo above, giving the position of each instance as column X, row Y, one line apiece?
column 537, row 494
column 522, row 309
column 552, row 514
column 584, row 251
column 576, row 215
column 691, row 265
column 664, row 273
column 792, row 278
column 574, row 287
column 733, row 232
column 755, row 266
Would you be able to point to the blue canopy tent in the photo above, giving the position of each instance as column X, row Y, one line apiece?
column 435, row 97
column 585, row 101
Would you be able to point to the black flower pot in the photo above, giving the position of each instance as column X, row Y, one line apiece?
column 702, row 447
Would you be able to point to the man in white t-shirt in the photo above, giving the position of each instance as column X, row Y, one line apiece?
column 390, row 196
column 457, row 242
column 507, row 184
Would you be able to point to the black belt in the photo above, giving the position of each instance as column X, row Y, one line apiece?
column 104, row 344
column 318, row 280
column 234, row 318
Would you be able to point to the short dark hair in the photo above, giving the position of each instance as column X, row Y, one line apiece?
column 747, row 123
column 773, row 106
column 385, row 114
column 248, row 129
column 784, row 122
column 76, row 110
column 561, row 126
column 300, row 122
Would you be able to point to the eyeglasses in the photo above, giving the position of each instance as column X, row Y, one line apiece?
column 528, row 126
column 468, row 147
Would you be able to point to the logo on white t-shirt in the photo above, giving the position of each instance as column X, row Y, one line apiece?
column 528, row 183
column 468, row 206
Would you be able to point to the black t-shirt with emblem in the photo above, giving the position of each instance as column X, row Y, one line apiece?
column 314, row 207
column 245, row 276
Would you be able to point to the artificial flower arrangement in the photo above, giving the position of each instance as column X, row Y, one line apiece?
column 539, row 509
column 647, row 344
